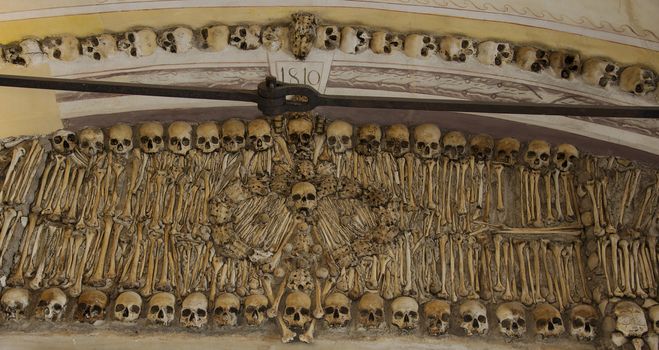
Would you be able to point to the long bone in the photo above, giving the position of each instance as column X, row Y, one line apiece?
column 535, row 247
column 513, row 279
column 651, row 241
column 73, row 208
column 507, row 294
column 566, row 256
column 127, row 211
column 272, row 311
column 614, row 238
column 117, row 228
column 17, row 277
column 481, row 185
column 52, row 184
column 462, row 288
column 117, row 170
column 523, row 197
column 36, row 207
column 550, row 214
column 10, row 189
column 535, row 176
column 147, row 288
column 407, row 289
column 473, row 280
column 557, row 196
column 96, row 278
column 443, row 240
column 28, row 174
column 586, row 296
column 76, row 289
column 625, row 198
column 531, row 279
column 16, row 154
column 598, row 230
column 92, row 219
column 430, row 165
column 639, row 270
column 9, row 216
column 462, row 189
column 561, row 283
column 550, row 297
column 164, row 283
column 409, row 167
column 569, row 211
column 603, row 244
column 132, row 281
column 498, row 169
column 57, row 210
column 497, row 262
column 624, row 246
column 454, row 296
column 525, row 296
column 641, row 213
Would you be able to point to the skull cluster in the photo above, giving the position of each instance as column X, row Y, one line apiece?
column 638, row 80
column 420, row 46
column 565, row 65
column 454, row 145
column 299, row 131
column 259, row 134
column 180, row 138
column 495, row 53
column 456, row 48
column 354, row 40
column 506, row 151
column 405, row 313
column 531, row 58
column 565, row 157
column 385, row 42
column 138, row 43
column 99, row 47
column 213, row 38
column 297, row 311
column 481, row 147
column 584, row 322
column 91, row 141
column 599, row 72
column 246, row 37
column 256, row 308
column 328, row 37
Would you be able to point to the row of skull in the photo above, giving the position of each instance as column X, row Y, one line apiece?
column 404, row 313
column 233, row 135
column 305, row 33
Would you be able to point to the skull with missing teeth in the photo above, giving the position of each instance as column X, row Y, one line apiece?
column 512, row 319
column 246, row 37
column 161, row 308
column 24, row 53
column 275, row 38
column 297, row 311
column 454, row 145
column 14, row 303
column 194, row 311
column 386, row 42
column 64, row 141
column 537, row 154
column 456, row 49
column 495, row 53
column 299, row 131
column 208, row 137
column 354, row 40
column 328, row 37
column 397, row 140
column 303, row 197
column 213, row 38
column 337, row 310
column 91, row 141
column 600, row 72
column 120, row 138
column 138, row 43
column 638, row 80
column 99, row 47
column 368, row 139
column 565, row 64
column 506, row 151
column 180, row 138
column 65, row 48
column 474, row 318
column 176, row 40
column 438, row 315
column 151, row 137
column 227, row 307
column 256, row 308
column 52, row 304
column 259, row 135
column 426, row 141
column 565, row 157
column 233, row 135
column 91, row 306
column 481, row 147
column 371, row 310
column 584, row 322
column 420, row 46
column 548, row 321
column 128, row 306
column 531, row 58
column 339, row 136
column 405, row 313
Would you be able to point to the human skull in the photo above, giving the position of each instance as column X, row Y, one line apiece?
column 297, row 310
column 151, row 137
column 246, row 37
column 303, row 196
column 51, row 305
column 337, row 310
column 14, row 303
column 531, row 58
column 302, row 34
column 354, row 40
column 227, row 307
column 24, row 53
column 328, row 37
column 397, row 140
column 233, row 135
column 599, row 72
column 180, row 138
column 495, row 53
column 98, row 47
column 208, row 137
column 120, row 138
column 512, row 319
column 420, row 46
column 438, row 315
column 565, row 64
column 584, row 322
column 630, row 319
column 506, row 151
column 139, row 43
column 454, row 145
column 368, row 139
column 481, row 147
column 653, row 312
column 474, row 317
column 259, row 135
column 194, row 311
column 64, row 48
column 91, row 141
column 275, row 37
column 64, row 141
column 371, row 310
column 537, row 154
column 91, row 306
column 299, row 131
column 456, row 48
column 548, row 321
column 385, row 42
column 161, row 308
column 128, row 306
column 565, row 157
column 256, row 308
column 213, row 38
column 426, row 141
column 638, row 80
column 405, row 313
column 176, row 40
column 339, row 136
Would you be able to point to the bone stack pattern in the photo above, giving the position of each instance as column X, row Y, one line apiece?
column 294, row 219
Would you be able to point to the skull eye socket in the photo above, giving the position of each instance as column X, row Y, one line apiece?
column 609, row 68
column 157, row 139
column 467, row 318
column 557, row 321
column 71, row 137
column 135, row 309
column 329, row 30
column 154, row 309
column 420, row 145
column 119, row 308
column 239, row 139
column 233, row 310
column 57, row 139
column 85, row 144
column 290, row 310
column 413, row 314
column 226, row 139
column 97, row 309
column 144, row 140
column 99, row 145
column 185, row 141
column 434, row 145
column 201, row 140
column 405, row 144
column 266, row 138
column 331, row 140
column 201, row 312
column 296, row 197
column 345, row 140
column 639, row 88
column 344, row 310
column 57, row 306
column 219, row 311
column 169, row 309
column 42, row 303
column 186, row 312
column 482, row 319
column 379, row 313
column 114, row 142
column 577, row 323
column 542, row 323
column 445, row 317
column 311, row 196
column 249, row 310
column 544, row 156
column 505, row 323
column 173, row 141
column 215, row 140
column 304, row 312
column 560, row 155
column 131, row 37
column 398, row 315
column 530, row 154
column 262, row 309
column 329, row 310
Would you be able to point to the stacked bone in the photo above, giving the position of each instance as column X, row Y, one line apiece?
column 304, row 33
column 297, row 217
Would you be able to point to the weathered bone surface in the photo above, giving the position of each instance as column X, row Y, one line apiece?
column 308, row 223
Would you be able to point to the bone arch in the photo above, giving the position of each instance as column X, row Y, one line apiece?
column 307, row 32
column 294, row 232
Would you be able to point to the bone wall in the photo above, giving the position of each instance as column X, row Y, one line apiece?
column 301, row 226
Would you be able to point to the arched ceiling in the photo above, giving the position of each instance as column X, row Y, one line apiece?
column 625, row 32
